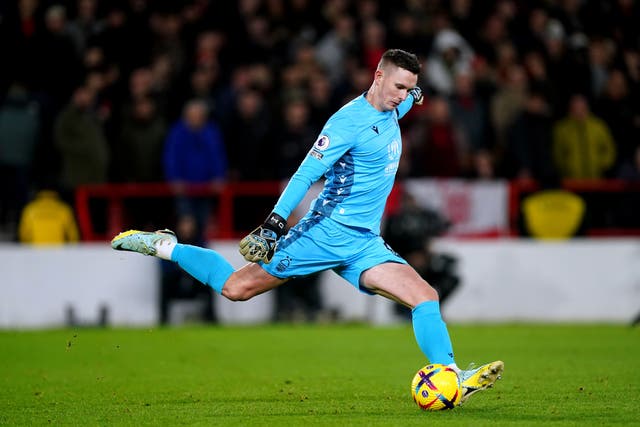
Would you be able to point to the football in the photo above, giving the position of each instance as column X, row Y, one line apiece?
column 436, row 387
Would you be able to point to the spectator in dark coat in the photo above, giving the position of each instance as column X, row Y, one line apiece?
column 80, row 139
column 20, row 125
column 141, row 143
column 528, row 151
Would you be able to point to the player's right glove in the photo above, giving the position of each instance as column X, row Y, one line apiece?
column 261, row 243
column 418, row 97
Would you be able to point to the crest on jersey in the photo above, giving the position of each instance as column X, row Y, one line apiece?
column 322, row 143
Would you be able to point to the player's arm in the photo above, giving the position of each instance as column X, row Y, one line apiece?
column 261, row 243
column 415, row 98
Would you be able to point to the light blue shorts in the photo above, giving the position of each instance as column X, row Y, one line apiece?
column 318, row 243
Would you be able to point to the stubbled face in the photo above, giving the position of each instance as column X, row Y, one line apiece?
column 392, row 86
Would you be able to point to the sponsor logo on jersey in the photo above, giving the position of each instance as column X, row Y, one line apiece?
column 393, row 149
column 316, row 154
column 375, row 129
column 322, row 143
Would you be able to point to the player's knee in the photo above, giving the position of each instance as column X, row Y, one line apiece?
column 431, row 293
column 432, row 296
column 425, row 292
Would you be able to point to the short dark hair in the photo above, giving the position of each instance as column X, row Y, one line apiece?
column 401, row 58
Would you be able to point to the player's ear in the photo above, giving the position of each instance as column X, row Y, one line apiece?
column 377, row 76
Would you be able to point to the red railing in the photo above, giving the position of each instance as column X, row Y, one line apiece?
column 116, row 194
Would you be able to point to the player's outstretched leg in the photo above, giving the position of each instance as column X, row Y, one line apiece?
column 206, row 265
column 477, row 379
column 143, row 242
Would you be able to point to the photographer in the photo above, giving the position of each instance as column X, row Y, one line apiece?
column 409, row 231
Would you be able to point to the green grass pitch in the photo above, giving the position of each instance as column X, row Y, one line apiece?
column 335, row 375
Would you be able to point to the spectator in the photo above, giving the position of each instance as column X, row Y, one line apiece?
column 114, row 33
column 20, row 25
column 492, row 35
column 505, row 62
column 247, row 133
column 320, row 99
column 630, row 169
column 163, row 74
column 305, row 59
column 627, row 213
column 373, row 44
column 141, row 83
column 240, row 80
column 303, row 68
column 406, row 34
column 20, row 123
column 85, row 25
column 539, row 80
column 209, row 46
column 47, row 220
column 565, row 63
column 528, row 149
column 469, row 112
column 442, row 153
column 294, row 137
column 354, row 84
column 532, row 34
column 620, row 112
column 601, row 54
column 166, row 26
column 80, row 139
column 335, row 47
column 140, row 143
column 202, row 84
column 450, row 56
column 483, row 165
column 582, row 144
column 256, row 44
column 507, row 103
column 194, row 153
column 56, row 53
column 462, row 16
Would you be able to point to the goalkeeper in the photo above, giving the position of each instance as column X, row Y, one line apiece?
column 358, row 152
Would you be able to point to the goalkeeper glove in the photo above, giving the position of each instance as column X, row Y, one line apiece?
column 416, row 92
column 261, row 243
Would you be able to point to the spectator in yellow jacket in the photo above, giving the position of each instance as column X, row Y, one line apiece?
column 47, row 220
column 583, row 147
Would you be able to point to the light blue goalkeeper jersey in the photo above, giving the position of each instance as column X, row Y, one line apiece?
column 358, row 151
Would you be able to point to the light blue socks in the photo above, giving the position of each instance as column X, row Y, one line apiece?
column 206, row 265
column 431, row 333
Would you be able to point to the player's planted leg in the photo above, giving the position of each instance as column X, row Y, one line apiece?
column 431, row 333
column 433, row 339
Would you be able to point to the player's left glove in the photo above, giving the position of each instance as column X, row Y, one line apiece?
column 416, row 92
column 261, row 243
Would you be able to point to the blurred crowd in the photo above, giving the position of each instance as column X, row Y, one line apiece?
column 208, row 91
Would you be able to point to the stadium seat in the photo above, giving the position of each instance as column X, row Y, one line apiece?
column 553, row 214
